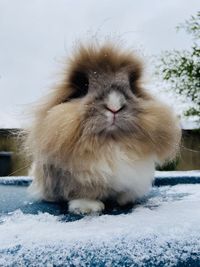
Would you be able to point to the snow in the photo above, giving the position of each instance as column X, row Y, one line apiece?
column 165, row 227
column 14, row 180
column 166, row 174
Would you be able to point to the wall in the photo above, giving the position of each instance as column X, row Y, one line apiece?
column 190, row 151
column 9, row 142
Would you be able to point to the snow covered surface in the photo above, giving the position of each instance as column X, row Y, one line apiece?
column 15, row 180
column 161, row 230
column 165, row 174
column 158, row 174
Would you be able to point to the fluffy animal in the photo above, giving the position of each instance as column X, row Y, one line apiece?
column 99, row 134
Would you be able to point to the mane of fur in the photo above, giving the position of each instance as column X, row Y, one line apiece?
column 56, row 133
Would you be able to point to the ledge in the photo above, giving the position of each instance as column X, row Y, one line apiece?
column 161, row 178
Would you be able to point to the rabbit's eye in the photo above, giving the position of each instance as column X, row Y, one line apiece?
column 80, row 84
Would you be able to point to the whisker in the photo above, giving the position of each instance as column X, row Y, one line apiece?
column 189, row 149
column 22, row 168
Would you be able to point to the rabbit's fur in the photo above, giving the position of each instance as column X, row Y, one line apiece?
column 99, row 133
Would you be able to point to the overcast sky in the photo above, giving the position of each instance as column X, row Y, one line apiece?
column 36, row 35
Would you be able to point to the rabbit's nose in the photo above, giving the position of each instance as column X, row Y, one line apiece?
column 115, row 102
column 114, row 110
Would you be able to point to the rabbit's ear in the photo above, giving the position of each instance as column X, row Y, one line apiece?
column 79, row 82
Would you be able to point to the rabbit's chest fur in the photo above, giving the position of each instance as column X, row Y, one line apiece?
column 134, row 176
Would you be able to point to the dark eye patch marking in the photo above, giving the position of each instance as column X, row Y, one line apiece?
column 133, row 78
column 80, row 83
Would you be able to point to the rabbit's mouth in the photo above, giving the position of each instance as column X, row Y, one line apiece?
column 115, row 121
column 109, row 122
column 116, row 126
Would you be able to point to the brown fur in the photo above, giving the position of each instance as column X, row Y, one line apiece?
column 66, row 140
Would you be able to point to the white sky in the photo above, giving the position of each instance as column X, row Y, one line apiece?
column 35, row 36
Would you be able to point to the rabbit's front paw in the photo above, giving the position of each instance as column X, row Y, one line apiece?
column 85, row 206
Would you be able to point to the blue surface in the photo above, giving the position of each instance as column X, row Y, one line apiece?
column 125, row 252
column 14, row 195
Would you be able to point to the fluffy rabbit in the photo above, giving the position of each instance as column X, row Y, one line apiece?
column 99, row 134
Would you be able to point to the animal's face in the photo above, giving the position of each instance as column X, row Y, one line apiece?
column 104, row 85
column 110, row 101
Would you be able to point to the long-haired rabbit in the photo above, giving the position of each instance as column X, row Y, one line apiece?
column 99, row 134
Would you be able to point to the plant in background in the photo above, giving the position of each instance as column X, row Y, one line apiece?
column 181, row 68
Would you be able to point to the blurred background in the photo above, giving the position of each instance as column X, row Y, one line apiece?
column 37, row 36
